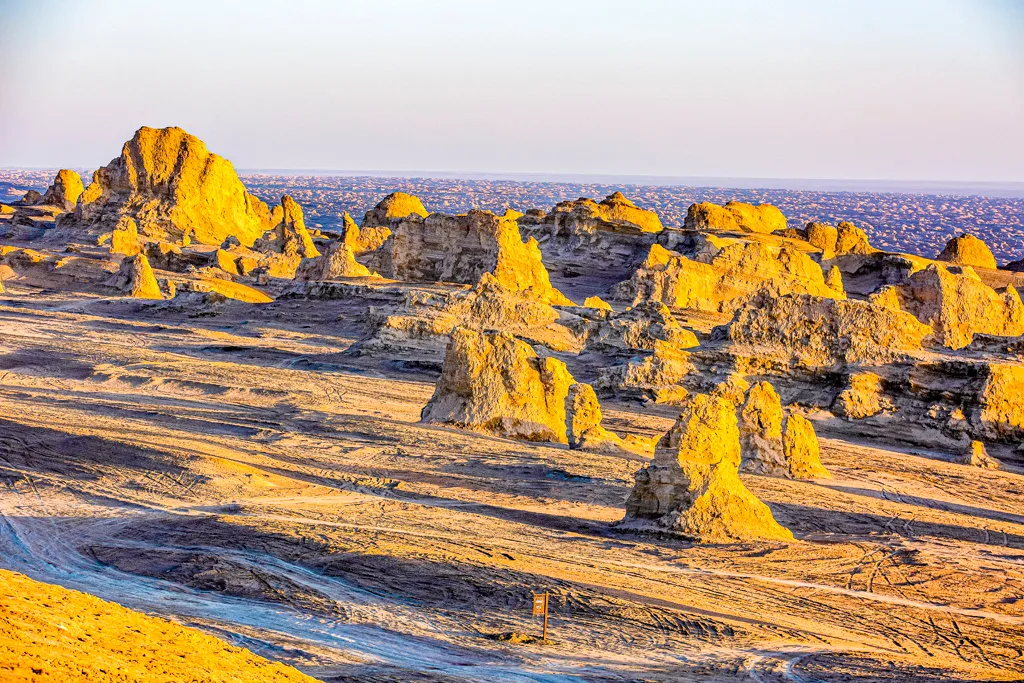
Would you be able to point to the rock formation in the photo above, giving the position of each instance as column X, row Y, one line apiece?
column 598, row 303
column 998, row 406
column 967, row 250
column 174, row 189
column 464, row 247
column 396, row 205
column 823, row 236
column 734, row 217
column 497, row 383
column 819, row 332
column 693, row 487
column 289, row 235
column 959, row 305
column 656, row 376
column 337, row 261
column 774, row 443
column 583, row 425
column 977, row 456
column 639, row 328
column 362, row 240
column 586, row 215
column 722, row 276
column 64, row 191
column 852, row 240
column 136, row 278
column 125, row 238
column 861, row 398
column 801, row 449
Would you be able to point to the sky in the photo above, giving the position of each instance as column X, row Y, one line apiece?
column 893, row 89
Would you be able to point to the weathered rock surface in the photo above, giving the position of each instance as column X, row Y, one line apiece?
column 998, row 407
column 497, row 383
column 967, row 250
column 125, row 237
column 819, row 332
column 338, row 260
column 396, row 205
column 461, row 248
column 693, row 487
column 361, row 240
column 289, row 236
column 773, row 442
column 174, row 189
column 583, row 425
column 862, row 397
column 977, row 456
column 639, row 328
column 734, row 217
column 723, row 276
column 959, row 305
column 852, row 240
column 136, row 278
column 585, row 215
column 823, row 236
column 801, row 449
column 656, row 376
column 65, row 190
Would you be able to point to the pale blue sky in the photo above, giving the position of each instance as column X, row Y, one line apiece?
column 924, row 90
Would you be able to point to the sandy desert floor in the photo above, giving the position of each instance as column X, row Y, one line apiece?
column 239, row 472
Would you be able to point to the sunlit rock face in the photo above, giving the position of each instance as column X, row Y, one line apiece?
column 462, row 248
column 734, row 217
column 175, row 189
column 136, row 278
column 396, row 205
column 967, row 250
column 958, row 305
column 722, row 275
column 693, row 487
column 775, row 443
column 65, row 190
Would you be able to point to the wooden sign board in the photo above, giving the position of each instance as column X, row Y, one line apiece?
column 539, row 604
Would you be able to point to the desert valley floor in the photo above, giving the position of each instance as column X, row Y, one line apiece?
column 234, row 469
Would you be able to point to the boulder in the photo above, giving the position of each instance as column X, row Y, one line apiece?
column 819, row 332
column 801, row 449
column 861, row 398
column 967, row 250
column 337, row 261
column 175, row 189
column 823, row 236
column 977, row 456
column 461, row 248
column 693, row 488
column 958, row 305
column 226, row 261
column 722, row 276
column 65, row 190
column 136, row 279
column 125, row 237
column 396, row 205
column 734, row 217
column 496, row 383
column 597, row 302
column 852, row 240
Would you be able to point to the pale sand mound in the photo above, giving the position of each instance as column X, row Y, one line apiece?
column 49, row 633
column 693, row 487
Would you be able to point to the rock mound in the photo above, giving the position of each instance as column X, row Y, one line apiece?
column 823, row 236
column 496, row 383
column 396, row 205
column 462, row 248
column 774, row 443
column 819, row 332
column 959, row 305
column 722, row 276
column 734, row 217
column 175, row 189
column 967, row 250
column 852, row 240
column 639, row 328
column 583, row 425
column 586, row 215
column 801, row 448
column 64, row 191
column 136, row 278
column 125, row 238
column 656, row 376
column 977, row 456
column 693, row 487
column 289, row 235
column 337, row 261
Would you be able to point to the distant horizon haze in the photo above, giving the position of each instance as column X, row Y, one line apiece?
column 906, row 91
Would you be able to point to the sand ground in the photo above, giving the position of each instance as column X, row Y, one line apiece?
column 238, row 471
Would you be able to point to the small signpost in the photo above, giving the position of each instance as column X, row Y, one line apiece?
column 540, row 608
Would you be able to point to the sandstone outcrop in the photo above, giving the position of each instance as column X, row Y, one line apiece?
column 774, row 443
column 723, row 275
column 693, row 487
column 852, row 240
column 65, row 190
column 289, row 236
column 734, row 217
column 174, row 189
column 861, row 398
column 598, row 303
column 125, row 238
column 823, row 236
column 337, row 261
column 801, row 449
column 395, row 206
column 967, row 250
column 998, row 407
column 583, row 425
column 656, row 376
column 639, row 328
column 498, row 384
column 819, row 332
column 136, row 278
column 586, row 215
column 362, row 240
column 441, row 248
column 977, row 456
column 31, row 198
column 959, row 305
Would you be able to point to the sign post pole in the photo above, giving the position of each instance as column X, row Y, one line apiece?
column 544, row 637
column 540, row 608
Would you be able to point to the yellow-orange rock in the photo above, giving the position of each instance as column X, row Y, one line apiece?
column 395, row 206
column 136, row 278
column 734, row 217
column 862, row 397
column 64, row 191
column 125, row 238
column 968, row 250
column 693, row 487
column 977, row 456
column 337, row 261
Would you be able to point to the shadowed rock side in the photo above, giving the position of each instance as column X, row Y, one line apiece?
column 693, row 487
column 584, row 430
column 497, row 383
column 174, row 189
column 136, row 278
column 49, row 633
column 774, row 443
column 461, row 248
column 723, row 275
column 396, row 205
column 967, row 250
column 734, row 217
column 289, row 235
